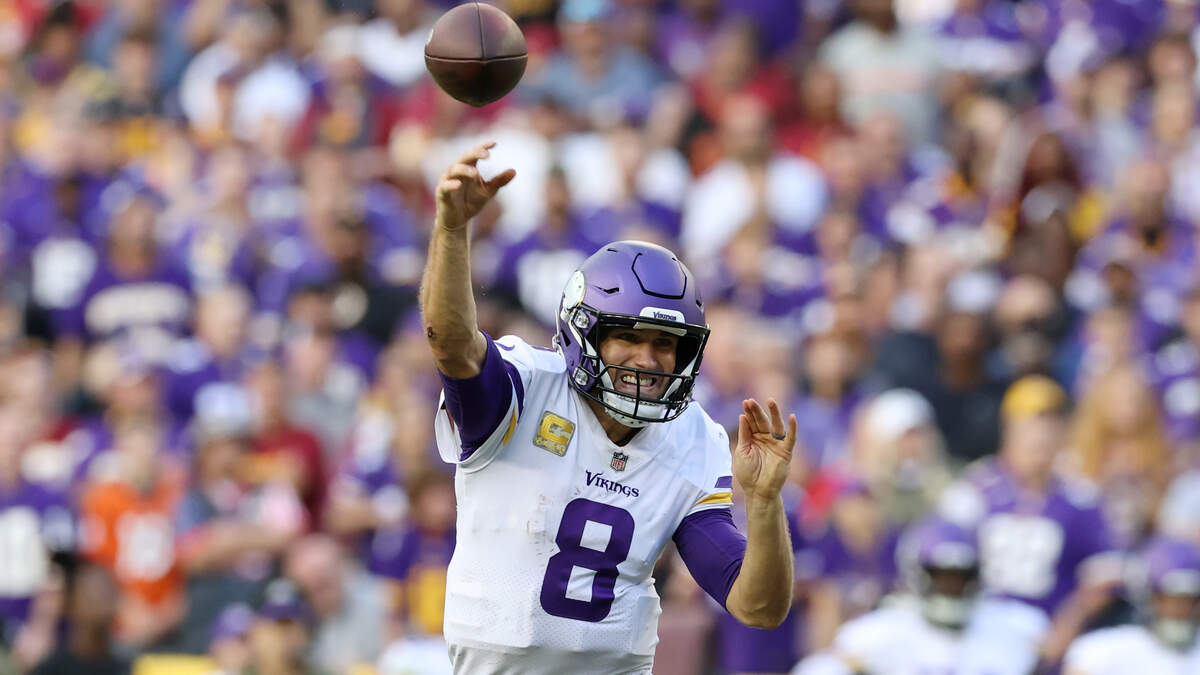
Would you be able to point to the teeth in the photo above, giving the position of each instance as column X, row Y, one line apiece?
column 630, row 379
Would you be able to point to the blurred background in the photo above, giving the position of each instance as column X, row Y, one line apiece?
column 957, row 237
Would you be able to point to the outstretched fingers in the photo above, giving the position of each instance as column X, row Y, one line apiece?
column 759, row 423
column 744, row 433
column 466, row 172
column 776, row 419
column 477, row 153
column 500, row 180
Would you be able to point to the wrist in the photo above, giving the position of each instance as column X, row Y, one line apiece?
column 450, row 224
column 762, row 501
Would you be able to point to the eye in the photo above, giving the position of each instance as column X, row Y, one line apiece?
column 626, row 337
column 664, row 343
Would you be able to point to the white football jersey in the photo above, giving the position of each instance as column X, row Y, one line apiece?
column 1000, row 639
column 559, row 528
column 1128, row 649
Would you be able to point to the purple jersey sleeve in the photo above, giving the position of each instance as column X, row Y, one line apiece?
column 712, row 548
column 478, row 404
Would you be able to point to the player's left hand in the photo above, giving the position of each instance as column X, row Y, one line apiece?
column 763, row 450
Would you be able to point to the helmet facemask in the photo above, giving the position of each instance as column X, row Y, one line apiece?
column 596, row 380
column 1176, row 620
column 948, row 595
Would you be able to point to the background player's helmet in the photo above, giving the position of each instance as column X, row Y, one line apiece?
column 940, row 562
column 638, row 285
column 1172, row 568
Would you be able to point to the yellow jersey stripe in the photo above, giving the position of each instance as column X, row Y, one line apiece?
column 717, row 498
column 512, row 425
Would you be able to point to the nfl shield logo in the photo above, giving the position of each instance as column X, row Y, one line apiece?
column 618, row 461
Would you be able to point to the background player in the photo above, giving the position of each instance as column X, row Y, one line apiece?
column 574, row 467
column 946, row 627
column 1166, row 643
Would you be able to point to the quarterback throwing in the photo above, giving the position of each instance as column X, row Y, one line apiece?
column 576, row 465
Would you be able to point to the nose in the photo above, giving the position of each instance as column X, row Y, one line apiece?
column 643, row 356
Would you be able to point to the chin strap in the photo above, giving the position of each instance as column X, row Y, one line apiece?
column 946, row 610
column 622, row 408
column 1175, row 633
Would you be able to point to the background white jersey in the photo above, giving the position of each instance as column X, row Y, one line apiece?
column 559, row 529
column 1128, row 649
column 1001, row 639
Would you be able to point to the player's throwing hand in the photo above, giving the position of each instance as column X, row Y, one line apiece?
column 462, row 192
column 763, row 450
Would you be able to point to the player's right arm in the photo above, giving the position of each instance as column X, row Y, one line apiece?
column 447, row 299
column 479, row 391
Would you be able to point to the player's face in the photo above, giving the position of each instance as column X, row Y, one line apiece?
column 1031, row 444
column 1177, row 607
column 952, row 583
column 643, row 349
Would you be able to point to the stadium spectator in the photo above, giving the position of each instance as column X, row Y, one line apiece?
column 1120, row 445
column 533, row 269
column 229, row 648
column 351, row 107
column 281, row 450
column 281, row 633
column 415, row 557
column 244, row 80
column 596, row 80
column 124, row 383
column 228, row 534
column 321, row 383
column 686, row 34
column 216, row 353
column 91, row 607
column 218, row 242
column 833, row 389
column 349, row 607
column 1150, row 240
column 899, row 453
column 367, row 496
column 1175, row 375
column 818, row 120
column 35, row 521
column 853, row 561
column 1043, row 539
column 948, row 365
column 127, row 522
column 1032, row 332
column 392, row 45
column 885, row 66
column 135, row 292
column 755, row 192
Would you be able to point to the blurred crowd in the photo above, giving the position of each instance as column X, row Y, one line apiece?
column 957, row 237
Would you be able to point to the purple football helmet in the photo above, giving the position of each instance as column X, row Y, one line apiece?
column 636, row 285
column 1172, row 568
column 940, row 561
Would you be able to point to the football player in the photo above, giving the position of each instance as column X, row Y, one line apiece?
column 944, row 626
column 1167, row 642
column 576, row 465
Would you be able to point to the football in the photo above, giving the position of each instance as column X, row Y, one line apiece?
column 476, row 53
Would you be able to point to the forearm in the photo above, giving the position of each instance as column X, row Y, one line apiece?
column 824, row 615
column 1075, row 613
column 202, row 21
column 448, row 303
column 762, row 593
